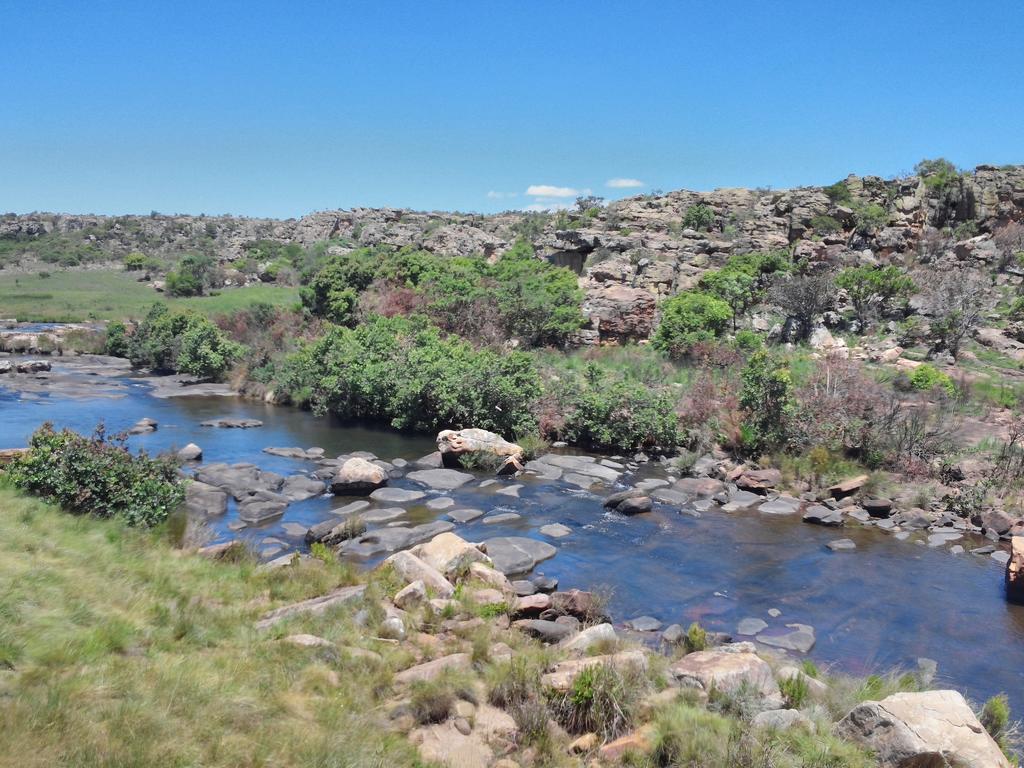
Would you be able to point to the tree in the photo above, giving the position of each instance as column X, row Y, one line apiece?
column 735, row 287
column 588, row 204
column 333, row 291
column 700, row 217
column 766, row 399
column 688, row 319
column 869, row 218
column 192, row 276
column 872, row 288
column 1009, row 238
column 955, row 299
column 937, row 174
column 804, row 298
column 204, row 351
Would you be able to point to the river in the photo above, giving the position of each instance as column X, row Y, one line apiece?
column 882, row 606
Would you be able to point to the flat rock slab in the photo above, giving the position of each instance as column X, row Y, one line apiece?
column 545, row 631
column 378, row 516
column 314, row 606
column 465, row 515
column 440, row 479
column 352, row 507
column 740, row 500
column 232, row 423
column 783, row 505
column 384, row 540
column 556, row 530
column 501, row 517
column 751, row 626
column 432, row 670
column 441, row 502
column 795, row 637
column 517, row 554
column 309, row 454
column 644, row 624
column 396, row 495
column 294, row 529
column 842, row 545
column 582, row 465
column 819, row 514
column 510, row 490
column 727, row 671
column 651, row 484
column 301, row 487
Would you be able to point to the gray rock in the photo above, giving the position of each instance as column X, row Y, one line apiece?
column 260, row 508
column 782, row 505
column 782, row 720
column 510, row 490
column 141, row 427
column 302, row 487
column 396, row 495
column 379, row 516
column 314, row 606
column 644, row 624
column 465, row 515
column 635, row 506
column 392, row 539
column 352, row 507
column 842, row 545
column 796, row 637
column 517, row 554
column 190, row 452
column 358, row 477
column 751, row 626
column 545, row 631
column 501, row 517
column 649, row 485
column 203, row 499
column 819, row 514
column 232, row 423
column 555, row 530
column 441, row 502
column 524, row 588
column 673, row 634
column 440, row 479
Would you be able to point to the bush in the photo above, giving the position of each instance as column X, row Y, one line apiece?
column 408, row 373
column 116, row 343
column 733, row 286
column 871, row 289
column 98, row 476
column 824, row 224
column 804, row 298
column 766, row 399
column 699, row 217
column 839, row 193
column 696, row 638
column 181, row 341
column 688, row 319
column 609, row 415
column 135, row 262
column 603, row 700
column 869, row 218
column 926, row 378
column 794, row 691
column 938, row 175
column 749, row 341
column 191, row 278
column 995, row 716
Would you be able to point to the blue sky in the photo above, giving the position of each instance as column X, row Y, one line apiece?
column 278, row 109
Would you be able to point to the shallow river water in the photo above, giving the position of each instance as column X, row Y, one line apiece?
column 882, row 606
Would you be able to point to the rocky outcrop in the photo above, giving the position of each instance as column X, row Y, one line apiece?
column 933, row 728
column 1015, row 571
column 358, row 477
column 453, row 444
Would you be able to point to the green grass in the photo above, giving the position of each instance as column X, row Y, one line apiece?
column 82, row 295
column 118, row 651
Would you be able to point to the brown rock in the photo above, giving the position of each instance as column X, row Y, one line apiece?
column 759, row 480
column 1015, row 571
column 358, row 477
column 640, row 741
column 848, row 486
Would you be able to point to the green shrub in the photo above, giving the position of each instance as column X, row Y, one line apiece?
column 192, row 276
column 406, row 372
column 431, row 701
column 181, row 341
column 735, row 287
column 134, row 262
column 749, row 341
column 824, row 224
column 995, row 716
column 869, row 218
column 98, row 476
column 839, row 193
column 116, row 343
column 699, row 217
column 938, row 175
column 767, row 401
column 696, row 638
column 926, row 377
column 873, row 288
column 603, row 699
column 204, row 351
column 794, row 691
column 965, row 230
column 604, row 414
column 688, row 319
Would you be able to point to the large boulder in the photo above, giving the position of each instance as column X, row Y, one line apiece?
column 358, row 477
column 1015, row 571
column 453, row 444
column 921, row 730
column 450, row 554
column 412, row 569
column 728, row 671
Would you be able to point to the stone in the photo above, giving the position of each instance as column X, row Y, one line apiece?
column 141, row 427
column 440, row 479
column 307, row 641
column 453, row 444
column 700, row 487
column 879, row 508
column 781, row 505
column 639, row 742
column 358, row 477
column 727, row 671
column 580, row 465
column 543, row 630
column 232, row 423
column 756, row 480
column 673, row 634
column 613, row 501
column 510, row 466
column 202, row 499
column 1014, row 577
column 315, row 606
column 842, row 545
column 931, row 728
column 819, row 514
column 782, row 720
column 352, row 507
column 599, row 633
column 411, row 568
column 380, row 516
column 440, row 503
column 450, row 554
column 485, row 572
column 190, row 452
column 517, row 554
column 465, row 515
column 302, row 487
column 496, row 518
column 396, row 495
column 555, row 530
column 411, row 595
column 510, row 490
column 531, row 605
column 583, row 605
column 751, row 626
column 635, row 505
column 432, row 670
column 524, row 588
column 847, row 487
column 588, row 742
column 392, row 628
column 740, row 500
column 644, row 624
column 796, row 637
column 257, row 510
column 561, row 676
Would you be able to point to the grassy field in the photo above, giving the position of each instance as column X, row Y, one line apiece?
column 115, row 650
column 82, row 295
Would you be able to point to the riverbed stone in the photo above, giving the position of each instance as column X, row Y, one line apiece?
column 396, row 495
column 650, row 484
column 524, row 588
column 877, row 507
column 644, row 624
column 842, row 545
column 440, row 479
column 555, row 530
column 440, row 503
column 517, row 554
column 228, row 423
column 382, row 515
column 740, row 500
column 1014, row 576
column 260, row 509
column 302, row 487
column 780, row 505
column 562, row 675
column 190, row 452
column 411, row 568
column 453, row 444
column 314, row 606
column 727, row 671
column 819, row 514
column 392, row 539
column 635, row 505
column 543, row 630
column 205, row 500
column 795, row 637
column 673, row 634
column 751, row 626
column 450, row 554
column 496, row 518
column 581, row 465
column 700, row 487
column 140, row 427
column 783, row 720
column 465, row 515
column 510, row 490
column 358, row 477
column 758, row 480
column 930, row 728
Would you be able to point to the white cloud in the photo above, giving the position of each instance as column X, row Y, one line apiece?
column 624, row 183
column 492, row 195
column 546, row 190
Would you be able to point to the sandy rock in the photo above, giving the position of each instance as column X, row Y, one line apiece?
column 358, row 477
column 454, row 443
column 450, row 554
column 933, row 728
column 599, row 633
column 411, row 568
column 431, row 670
column 727, row 671
column 561, row 676
column 315, row 606
column 190, row 452
column 1015, row 571
column 411, row 595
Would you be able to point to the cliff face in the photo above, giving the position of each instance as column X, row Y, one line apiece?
column 629, row 253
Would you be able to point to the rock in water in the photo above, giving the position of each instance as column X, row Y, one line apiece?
column 190, row 452
column 453, row 444
column 1015, row 571
column 922, row 729
column 358, row 477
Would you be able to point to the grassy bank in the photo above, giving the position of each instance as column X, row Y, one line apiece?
column 118, row 651
column 82, row 295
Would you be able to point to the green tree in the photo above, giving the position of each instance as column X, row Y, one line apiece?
column 871, row 289
column 204, row 351
column 869, row 218
column 192, row 276
column 699, row 217
column 767, row 401
column 116, row 343
column 938, row 174
column 736, row 288
column 688, row 319
column 333, row 291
